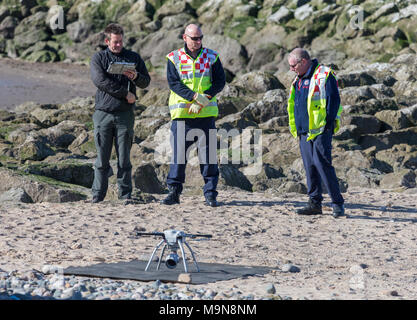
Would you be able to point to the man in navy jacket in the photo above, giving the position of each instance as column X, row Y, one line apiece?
column 316, row 153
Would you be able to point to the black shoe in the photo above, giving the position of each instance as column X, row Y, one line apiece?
column 211, row 201
column 338, row 210
column 172, row 198
column 126, row 197
column 311, row 209
column 97, row 199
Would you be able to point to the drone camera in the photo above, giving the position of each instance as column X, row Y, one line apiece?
column 172, row 260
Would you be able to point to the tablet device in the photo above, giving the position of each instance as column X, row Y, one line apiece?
column 120, row 67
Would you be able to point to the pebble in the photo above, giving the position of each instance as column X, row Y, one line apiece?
column 270, row 288
column 290, row 268
column 35, row 285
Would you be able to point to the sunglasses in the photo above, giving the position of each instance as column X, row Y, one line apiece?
column 294, row 65
column 195, row 38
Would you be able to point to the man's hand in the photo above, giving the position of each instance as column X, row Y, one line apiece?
column 130, row 97
column 201, row 99
column 194, row 108
column 131, row 74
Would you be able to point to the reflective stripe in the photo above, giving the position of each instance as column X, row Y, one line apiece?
column 196, row 75
column 316, row 104
column 186, row 105
column 315, row 131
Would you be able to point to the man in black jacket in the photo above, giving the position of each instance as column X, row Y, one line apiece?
column 114, row 117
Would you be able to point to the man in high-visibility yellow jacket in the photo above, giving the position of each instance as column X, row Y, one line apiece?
column 314, row 115
column 195, row 76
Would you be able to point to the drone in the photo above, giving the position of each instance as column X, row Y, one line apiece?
column 174, row 240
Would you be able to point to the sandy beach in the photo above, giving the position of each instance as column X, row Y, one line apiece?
column 369, row 254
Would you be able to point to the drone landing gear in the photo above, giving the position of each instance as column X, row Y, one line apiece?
column 174, row 240
column 172, row 259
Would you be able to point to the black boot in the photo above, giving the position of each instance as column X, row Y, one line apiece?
column 311, row 209
column 173, row 196
column 211, row 201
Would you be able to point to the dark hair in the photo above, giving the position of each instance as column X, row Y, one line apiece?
column 113, row 28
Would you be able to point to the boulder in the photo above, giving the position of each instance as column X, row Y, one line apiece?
column 370, row 106
column 79, row 30
column 388, row 139
column 232, row 54
column 394, row 119
column 398, row 157
column 172, row 8
column 146, row 180
column 402, row 178
column 41, row 189
column 282, row 15
column 365, row 124
column 68, row 171
column 273, row 104
column 258, row 82
column 15, row 195
column 7, row 27
column 355, row 79
column 34, row 148
column 231, row 176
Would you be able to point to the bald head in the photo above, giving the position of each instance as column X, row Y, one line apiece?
column 192, row 28
column 193, row 39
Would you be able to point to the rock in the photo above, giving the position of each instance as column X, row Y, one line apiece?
column 232, row 54
column 258, row 82
column 146, row 180
column 79, row 30
column 273, row 104
column 402, row 178
column 394, row 119
column 355, row 79
column 231, row 176
column 365, row 124
column 388, row 139
column 290, row 268
column 281, row 16
column 270, row 288
column 67, row 171
column 34, row 149
column 392, row 293
column 155, row 46
column 411, row 114
column 303, row 12
column 15, row 195
column 184, row 277
column 7, row 27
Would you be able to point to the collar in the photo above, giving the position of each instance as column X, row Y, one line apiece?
column 187, row 51
column 116, row 54
column 310, row 70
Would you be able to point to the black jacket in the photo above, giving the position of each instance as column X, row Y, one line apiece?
column 112, row 88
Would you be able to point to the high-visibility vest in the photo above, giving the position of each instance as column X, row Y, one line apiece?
column 316, row 104
column 196, row 75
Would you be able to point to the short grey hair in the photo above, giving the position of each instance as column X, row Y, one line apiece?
column 299, row 54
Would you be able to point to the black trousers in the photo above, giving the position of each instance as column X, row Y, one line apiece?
column 112, row 128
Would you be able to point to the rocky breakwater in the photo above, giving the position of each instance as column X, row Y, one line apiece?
column 47, row 151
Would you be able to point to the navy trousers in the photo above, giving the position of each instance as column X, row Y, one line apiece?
column 184, row 133
column 317, row 159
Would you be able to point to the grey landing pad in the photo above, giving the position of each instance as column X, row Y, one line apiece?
column 135, row 270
